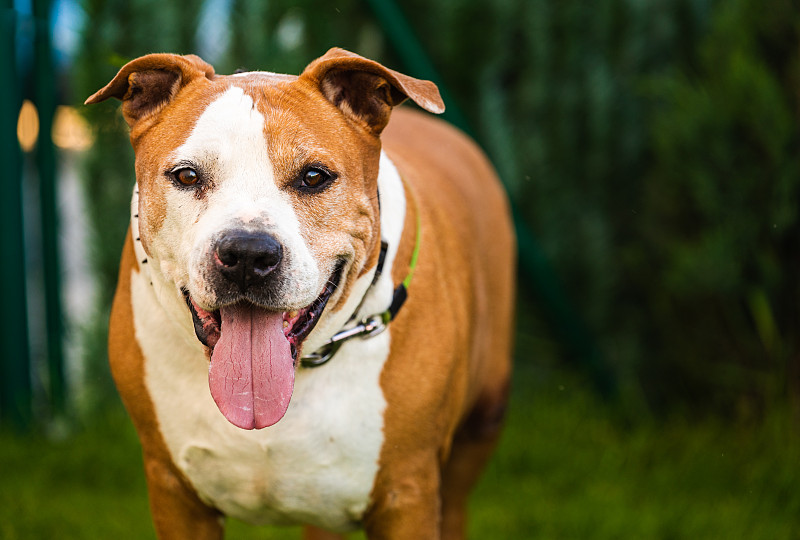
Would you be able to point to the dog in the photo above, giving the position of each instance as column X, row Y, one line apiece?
column 313, row 319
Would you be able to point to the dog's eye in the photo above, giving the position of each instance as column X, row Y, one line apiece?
column 315, row 178
column 186, row 176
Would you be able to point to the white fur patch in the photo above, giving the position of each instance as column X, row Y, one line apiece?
column 318, row 464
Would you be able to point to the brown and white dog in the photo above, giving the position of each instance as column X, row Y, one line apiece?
column 261, row 206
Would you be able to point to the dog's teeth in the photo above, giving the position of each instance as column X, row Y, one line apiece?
column 293, row 313
column 286, row 324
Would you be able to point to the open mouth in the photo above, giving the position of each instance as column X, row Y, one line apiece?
column 297, row 324
column 254, row 353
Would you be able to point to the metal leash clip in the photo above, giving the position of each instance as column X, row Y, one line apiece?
column 368, row 327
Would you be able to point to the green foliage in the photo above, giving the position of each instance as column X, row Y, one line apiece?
column 283, row 36
column 719, row 220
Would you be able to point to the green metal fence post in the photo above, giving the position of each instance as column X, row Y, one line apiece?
column 15, row 380
column 45, row 96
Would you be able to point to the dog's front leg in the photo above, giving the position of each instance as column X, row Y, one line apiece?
column 178, row 514
column 406, row 503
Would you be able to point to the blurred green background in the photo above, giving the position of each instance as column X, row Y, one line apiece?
column 650, row 149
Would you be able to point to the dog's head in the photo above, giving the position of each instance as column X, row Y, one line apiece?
column 258, row 202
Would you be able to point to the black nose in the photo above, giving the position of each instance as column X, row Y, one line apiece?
column 247, row 258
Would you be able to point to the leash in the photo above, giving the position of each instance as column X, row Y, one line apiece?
column 372, row 325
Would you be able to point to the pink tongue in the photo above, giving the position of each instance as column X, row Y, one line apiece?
column 251, row 375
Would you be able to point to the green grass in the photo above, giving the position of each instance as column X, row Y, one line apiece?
column 564, row 469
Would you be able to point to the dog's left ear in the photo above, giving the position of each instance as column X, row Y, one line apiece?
column 365, row 90
column 145, row 85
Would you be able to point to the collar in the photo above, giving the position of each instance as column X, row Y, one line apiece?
column 374, row 324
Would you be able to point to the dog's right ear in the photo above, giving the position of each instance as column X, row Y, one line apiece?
column 366, row 91
column 147, row 84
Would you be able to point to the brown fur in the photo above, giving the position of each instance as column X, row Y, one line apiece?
column 460, row 363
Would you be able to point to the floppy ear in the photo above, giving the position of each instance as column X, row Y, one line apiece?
column 365, row 90
column 148, row 83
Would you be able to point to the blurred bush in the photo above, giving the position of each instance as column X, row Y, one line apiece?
column 719, row 220
column 649, row 145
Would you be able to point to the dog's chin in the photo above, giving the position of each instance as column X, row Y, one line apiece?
column 297, row 324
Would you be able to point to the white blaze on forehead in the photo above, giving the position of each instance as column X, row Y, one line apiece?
column 228, row 138
column 228, row 145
